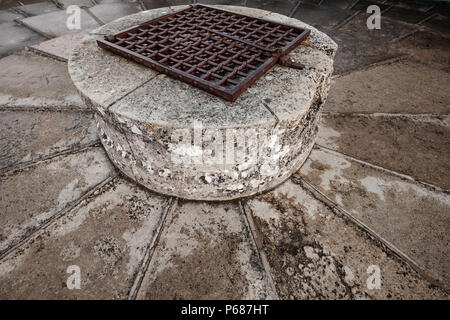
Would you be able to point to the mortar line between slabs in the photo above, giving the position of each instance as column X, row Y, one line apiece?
column 294, row 9
column 373, row 234
column 30, row 163
column 411, row 116
column 45, row 54
column 371, row 65
column 4, row 108
column 143, row 269
column 57, row 216
column 380, row 168
column 248, row 215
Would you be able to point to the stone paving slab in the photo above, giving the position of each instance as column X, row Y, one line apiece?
column 391, row 88
column 406, row 15
column 80, row 3
column 359, row 46
column 30, row 80
column 154, row 4
column 439, row 23
column 38, row 8
column 16, row 37
column 206, row 251
column 53, row 24
column 413, row 146
column 406, row 214
column 59, row 48
column 33, row 195
column 340, row 4
column 321, row 17
column 112, row 11
column 315, row 253
column 279, row 6
column 29, row 136
column 221, row 2
column 427, row 47
column 106, row 236
column 9, row 16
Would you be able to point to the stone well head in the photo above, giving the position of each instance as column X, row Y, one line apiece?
column 179, row 140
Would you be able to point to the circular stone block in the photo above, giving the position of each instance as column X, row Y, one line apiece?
column 178, row 140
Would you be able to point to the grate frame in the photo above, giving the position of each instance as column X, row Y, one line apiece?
column 208, row 48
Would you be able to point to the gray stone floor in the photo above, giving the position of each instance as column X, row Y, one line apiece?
column 373, row 192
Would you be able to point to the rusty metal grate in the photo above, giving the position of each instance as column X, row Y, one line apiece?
column 216, row 50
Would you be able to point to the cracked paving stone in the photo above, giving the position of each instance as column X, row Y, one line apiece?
column 206, row 251
column 316, row 253
column 33, row 195
column 30, row 136
column 59, row 48
column 54, row 24
column 418, row 147
column 16, row 37
column 407, row 214
column 30, row 80
column 427, row 47
column 391, row 88
column 359, row 46
column 106, row 236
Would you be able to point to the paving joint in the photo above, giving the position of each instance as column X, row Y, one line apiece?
column 26, row 164
column 386, row 245
column 57, row 216
column 428, row 186
column 258, row 242
column 143, row 269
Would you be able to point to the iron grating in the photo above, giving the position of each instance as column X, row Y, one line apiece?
column 218, row 51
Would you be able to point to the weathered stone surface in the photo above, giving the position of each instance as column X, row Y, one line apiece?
column 279, row 6
column 419, row 147
column 359, row 47
column 15, row 37
column 322, row 17
column 34, row 195
column 106, row 236
column 38, row 8
column 102, row 77
column 29, row 136
column 111, row 11
column 54, row 24
column 80, row 3
column 59, row 48
column 133, row 20
column 9, row 16
column 391, row 88
column 315, row 253
column 151, row 110
column 408, row 215
column 206, row 251
column 426, row 47
column 29, row 80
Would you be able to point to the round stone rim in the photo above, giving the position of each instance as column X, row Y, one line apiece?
column 138, row 109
